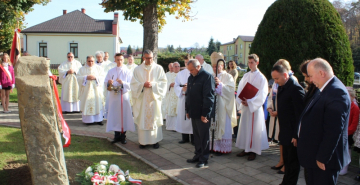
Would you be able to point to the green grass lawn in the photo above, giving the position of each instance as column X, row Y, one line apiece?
column 93, row 150
column 13, row 95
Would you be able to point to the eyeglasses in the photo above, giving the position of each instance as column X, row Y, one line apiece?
column 148, row 58
column 70, row 57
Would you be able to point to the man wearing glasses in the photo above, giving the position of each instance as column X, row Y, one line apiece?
column 70, row 87
column 148, row 88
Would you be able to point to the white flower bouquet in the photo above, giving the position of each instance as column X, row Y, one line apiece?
column 103, row 174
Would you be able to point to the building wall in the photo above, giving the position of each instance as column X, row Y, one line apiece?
column 59, row 44
column 243, row 51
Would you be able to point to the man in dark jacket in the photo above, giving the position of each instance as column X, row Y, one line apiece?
column 289, row 108
column 322, row 144
column 199, row 103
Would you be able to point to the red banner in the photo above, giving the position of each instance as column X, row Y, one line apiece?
column 65, row 127
column 15, row 46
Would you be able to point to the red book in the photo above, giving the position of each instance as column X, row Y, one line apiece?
column 248, row 92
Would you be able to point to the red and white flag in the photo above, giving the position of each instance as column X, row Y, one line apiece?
column 16, row 45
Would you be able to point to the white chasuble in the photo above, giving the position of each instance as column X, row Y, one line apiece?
column 69, row 85
column 91, row 94
column 170, row 103
column 119, row 116
column 147, row 101
column 225, row 114
column 252, row 135
column 106, row 66
column 183, row 124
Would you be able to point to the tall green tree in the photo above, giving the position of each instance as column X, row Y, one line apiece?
column 12, row 16
column 217, row 44
column 211, row 47
column 300, row 30
column 179, row 49
column 129, row 50
column 151, row 14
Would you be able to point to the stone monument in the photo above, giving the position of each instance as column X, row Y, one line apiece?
column 39, row 121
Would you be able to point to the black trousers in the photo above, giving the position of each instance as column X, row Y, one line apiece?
column 315, row 176
column 119, row 135
column 292, row 165
column 201, row 137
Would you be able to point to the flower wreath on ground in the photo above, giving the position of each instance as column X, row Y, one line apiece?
column 103, row 174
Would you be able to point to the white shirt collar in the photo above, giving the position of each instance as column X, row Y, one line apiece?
column 325, row 84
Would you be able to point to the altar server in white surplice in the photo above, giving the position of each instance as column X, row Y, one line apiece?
column 148, row 87
column 91, row 82
column 183, row 124
column 164, row 101
column 252, row 135
column 70, row 87
column 225, row 112
column 171, row 99
column 119, row 118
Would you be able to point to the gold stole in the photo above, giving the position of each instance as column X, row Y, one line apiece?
column 149, row 101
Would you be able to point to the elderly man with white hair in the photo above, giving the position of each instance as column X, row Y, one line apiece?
column 106, row 66
column 207, row 67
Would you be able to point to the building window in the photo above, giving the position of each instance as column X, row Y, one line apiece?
column 43, row 50
column 74, row 49
column 230, row 47
column 227, row 47
column 230, row 58
column 236, row 49
column 249, row 45
column 240, row 55
column 240, row 46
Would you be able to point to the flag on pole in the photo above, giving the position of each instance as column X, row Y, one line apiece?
column 15, row 46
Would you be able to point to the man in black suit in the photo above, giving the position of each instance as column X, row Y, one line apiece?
column 322, row 143
column 290, row 106
column 200, row 95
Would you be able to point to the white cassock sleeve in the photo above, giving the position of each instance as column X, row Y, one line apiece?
column 177, row 88
column 159, row 86
column 126, row 83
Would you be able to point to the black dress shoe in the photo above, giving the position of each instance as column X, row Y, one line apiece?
column 156, row 145
column 99, row 123
column 192, row 160
column 280, row 172
column 142, row 146
column 277, row 168
column 182, row 142
column 123, row 141
column 201, row 164
column 115, row 141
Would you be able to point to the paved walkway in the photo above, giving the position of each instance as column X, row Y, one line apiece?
column 171, row 157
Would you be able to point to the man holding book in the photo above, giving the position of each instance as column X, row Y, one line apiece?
column 252, row 91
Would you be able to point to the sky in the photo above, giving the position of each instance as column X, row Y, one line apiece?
column 222, row 20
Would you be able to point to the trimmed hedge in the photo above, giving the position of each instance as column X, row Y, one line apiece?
column 299, row 30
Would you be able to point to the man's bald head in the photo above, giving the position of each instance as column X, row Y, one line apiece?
column 200, row 58
column 171, row 67
column 319, row 71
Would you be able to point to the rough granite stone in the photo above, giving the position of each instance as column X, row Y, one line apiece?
column 39, row 125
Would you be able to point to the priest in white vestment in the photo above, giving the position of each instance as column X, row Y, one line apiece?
column 171, row 99
column 119, row 118
column 164, row 101
column 183, row 124
column 148, row 87
column 70, row 88
column 106, row 66
column 207, row 67
column 225, row 112
column 252, row 135
column 91, row 82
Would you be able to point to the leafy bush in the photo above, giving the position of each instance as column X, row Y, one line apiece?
column 300, row 30
column 165, row 58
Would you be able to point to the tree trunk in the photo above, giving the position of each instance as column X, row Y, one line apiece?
column 150, row 25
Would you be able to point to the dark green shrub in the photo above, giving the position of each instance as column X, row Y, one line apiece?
column 297, row 30
column 165, row 58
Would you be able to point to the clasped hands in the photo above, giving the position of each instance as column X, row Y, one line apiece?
column 147, row 84
column 203, row 119
column 118, row 80
column 90, row 77
column 70, row 71
column 271, row 112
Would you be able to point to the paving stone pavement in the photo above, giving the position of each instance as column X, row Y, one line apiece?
column 171, row 157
